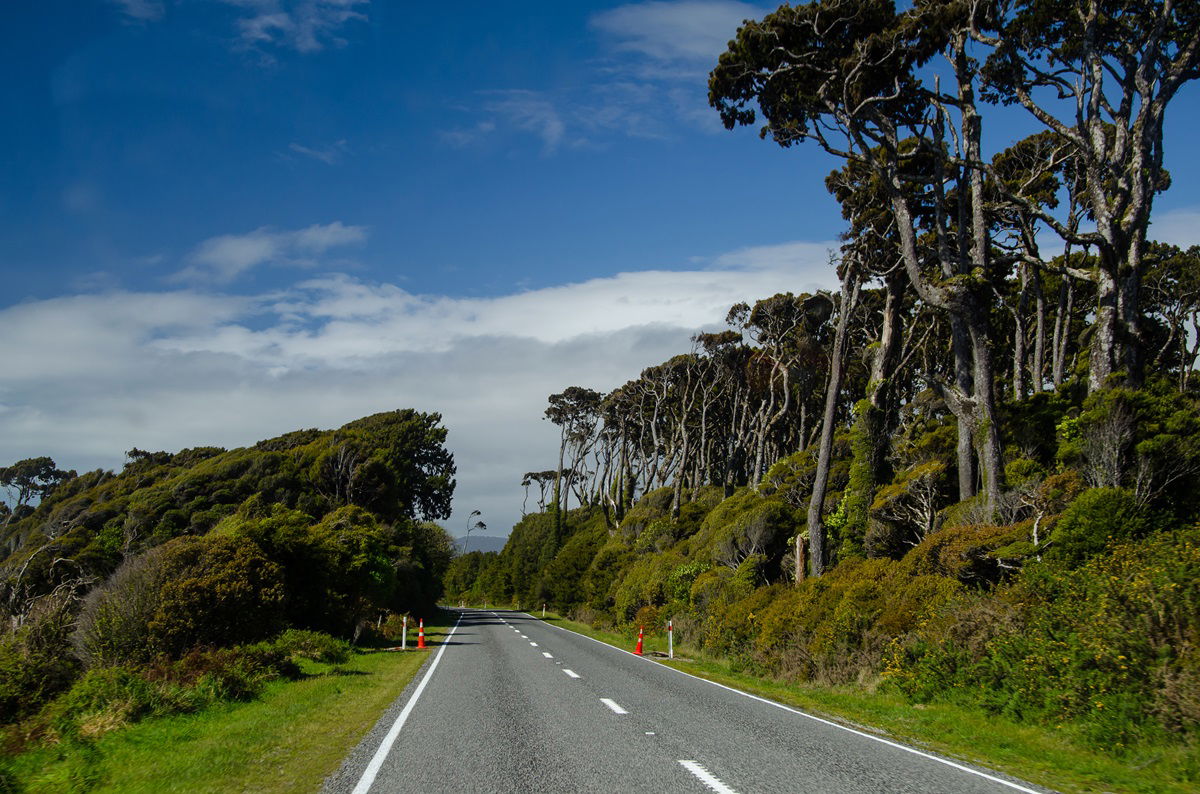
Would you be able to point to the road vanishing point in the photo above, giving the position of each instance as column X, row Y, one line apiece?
column 509, row 703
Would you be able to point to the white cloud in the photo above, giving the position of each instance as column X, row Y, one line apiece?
column 690, row 32
column 222, row 259
column 1179, row 227
column 303, row 25
column 90, row 376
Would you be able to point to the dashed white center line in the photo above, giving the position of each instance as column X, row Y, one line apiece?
column 707, row 778
column 533, row 644
column 571, row 673
column 612, row 704
column 548, row 656
column 523, row 636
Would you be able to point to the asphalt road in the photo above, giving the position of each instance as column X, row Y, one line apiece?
column 512, row 704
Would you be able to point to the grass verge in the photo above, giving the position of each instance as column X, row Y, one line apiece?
column 288, row 740
column 1033, row 753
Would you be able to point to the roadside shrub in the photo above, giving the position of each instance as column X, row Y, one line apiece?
column 642, row 585
column 1097, row 518
column 972, row 554
column 647, row 618
column 1108, row 646
column 35, row 660
column 392, row 627
column 312, row 645
column 8, row 781
column 113, row 626
column 213, row 674
column 103, row 700
column 216, row 591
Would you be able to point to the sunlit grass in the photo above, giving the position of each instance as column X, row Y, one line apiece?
column 288, row 740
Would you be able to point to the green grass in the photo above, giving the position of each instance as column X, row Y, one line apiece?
column 1030, row 752
column 288, row 740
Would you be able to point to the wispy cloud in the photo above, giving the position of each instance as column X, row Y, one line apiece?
column 467, row 136
column 141, row 10
column 531, row 112
column 1180, row 226
column 220, row 260
column 650, row 80
column 302, row 25
column 92, row 375
column 689, row 32
column 330, row 154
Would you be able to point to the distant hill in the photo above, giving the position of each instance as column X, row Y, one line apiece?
column 482, row 543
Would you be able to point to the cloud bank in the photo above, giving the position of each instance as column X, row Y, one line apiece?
column 90, row 376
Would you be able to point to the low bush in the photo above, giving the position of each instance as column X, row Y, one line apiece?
column 35, row 660
column 313, row 645
column 1097, row 518
column 218, row 591
column 1109, row 646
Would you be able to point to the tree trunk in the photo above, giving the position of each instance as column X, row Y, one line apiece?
column 816, row 505
column 869, row 444
column 1038, row 370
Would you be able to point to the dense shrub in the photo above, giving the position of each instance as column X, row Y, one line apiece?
column 35, row 660
column 114, row 623
column 1097, row 518
column 216, row 591
column 1109, row 645
column 301, row 644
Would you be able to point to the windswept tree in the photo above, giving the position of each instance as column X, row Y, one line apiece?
column 846, row 74
column 575, row 411
column 28, row 480
column 1099, row 74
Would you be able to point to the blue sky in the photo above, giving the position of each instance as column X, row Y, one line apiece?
column 224, row 219
column 479, row 153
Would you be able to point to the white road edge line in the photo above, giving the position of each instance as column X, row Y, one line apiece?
column 368, row 777
column 571, row 673
column 831, row 723
column 707, row 778
column 612, row 704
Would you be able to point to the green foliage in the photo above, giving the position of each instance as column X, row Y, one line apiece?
column 393, row 465
column 1096, row 519
column 1108, row 646
column 850, row 522
column 463, row 572
column 974, row 554
column 1146, row 440
column 564, row 576
column 109, row 697
column 605, row 569
column 312, row 645
column 678, row 584
column 215, row 591
column 35, row 660
column 114, row 623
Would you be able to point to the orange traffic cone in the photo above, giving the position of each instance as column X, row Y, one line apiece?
column 421, row 634
column 638, row 649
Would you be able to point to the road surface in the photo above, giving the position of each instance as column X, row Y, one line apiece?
column 512, row 704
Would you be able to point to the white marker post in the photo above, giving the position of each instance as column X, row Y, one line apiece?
column 404, row 635
column 670, row 639
column 543, row 609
